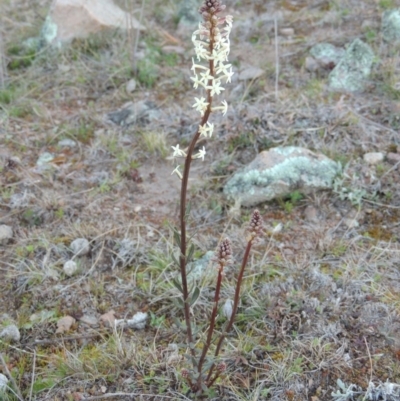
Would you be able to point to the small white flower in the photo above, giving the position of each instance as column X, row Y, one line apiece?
column 201, row 154
column 216, row 87
column 223, row 108
column 200, row 105
column 178, row 152
column 197, row 81
column 177, row 172
column 228, row 75
column 206, row 130
column 205, row 76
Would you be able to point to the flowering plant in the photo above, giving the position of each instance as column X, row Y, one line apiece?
column 212, row 45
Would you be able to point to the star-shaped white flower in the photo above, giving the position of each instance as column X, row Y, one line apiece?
column 223, row 108
column 177, row 172
column 178, row 152
column 206, row 130
column 201, row 154
column 200, row 105
column 216, row 87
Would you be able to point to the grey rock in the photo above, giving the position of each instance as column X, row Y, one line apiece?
column 70, row 268
column 278, row 172
column 141, row 112
column 188, row 12
column 391, row 25
column 250, row 73
column 393, row 158
column 327, row 55
column 67, row 143
column 10, row 333
column 353, row 69
column 311, row 64
column 44, row 159
column 137, row 322
column 6, row 234
column 199, row 266
column 373, row 157
column 131, row 86
column 3, row 383
column 80, row 246
column 89, row 320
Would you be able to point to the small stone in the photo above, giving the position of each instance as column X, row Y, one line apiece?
column 3, row 383
column 6, row 234
column 250, row 73
column 391, row 25
column 228, row 308
column 373, row 158
column 311, row 64
column 89, row 320
column 393, row 158
column 289, row 32
column 11, row 333
column 70, row 268
column 351, row 223
column 44, row 159
column 173, row 49
column 131, row 86
column 138, row 321
column 67, row 143
column 80, row 246
column 311, row 214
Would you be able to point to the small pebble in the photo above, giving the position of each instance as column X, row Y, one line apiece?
column 70, row 268
column 11, row 333
column 3, row 383
column 393, row 158
column 6, row 234
column 67, row 143
column 287, row 32
column 131, row 86
column 80, row 246
column 311, row 64
column 138, row 321
column 373, row 158
column 89, row 320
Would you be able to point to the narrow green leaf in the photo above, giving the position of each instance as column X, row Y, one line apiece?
column 175, row 260
column 188, row 207
column 177, row 284
column 195, row 295
column 190, row 253
column 177, row 238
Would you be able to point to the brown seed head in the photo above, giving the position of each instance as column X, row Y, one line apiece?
column 211, row 7
column 256, row 224
column 224, row 252
column 221, row 367
column 185, row 373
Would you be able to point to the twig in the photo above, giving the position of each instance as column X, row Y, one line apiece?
column 10, row 377
column 134, row 64
column 33, row 375
column 276, row 59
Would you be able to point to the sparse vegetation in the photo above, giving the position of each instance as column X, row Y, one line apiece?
column 318, row 317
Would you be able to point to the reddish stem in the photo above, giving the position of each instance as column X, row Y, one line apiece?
column 234, row 311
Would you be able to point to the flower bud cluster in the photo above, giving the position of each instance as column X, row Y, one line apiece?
column 224, row 253
column 256, row 224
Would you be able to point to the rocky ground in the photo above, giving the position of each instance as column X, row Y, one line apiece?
column 86, row 136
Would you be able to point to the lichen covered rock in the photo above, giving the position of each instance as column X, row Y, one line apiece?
column 278, row 172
